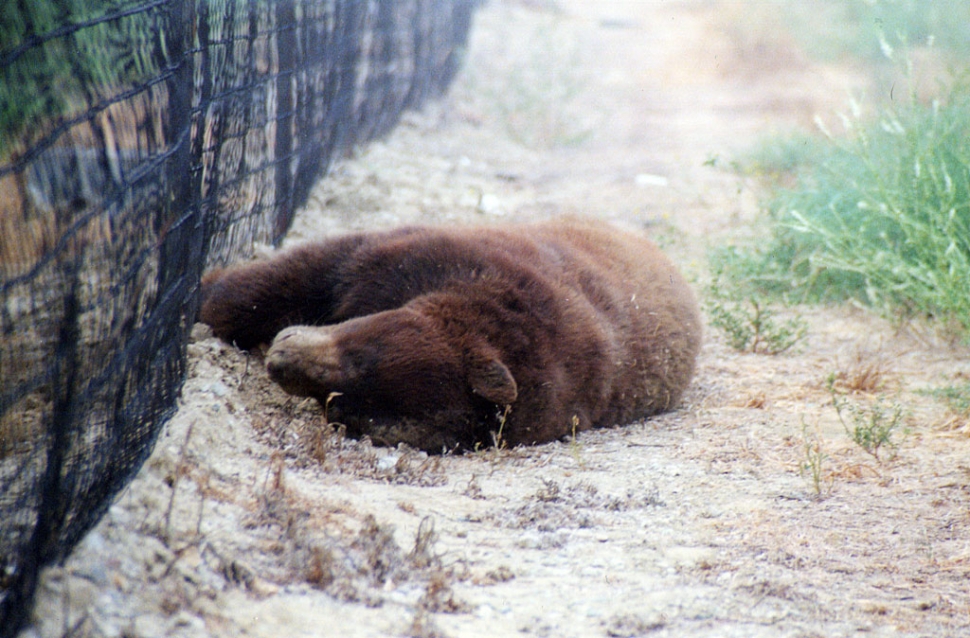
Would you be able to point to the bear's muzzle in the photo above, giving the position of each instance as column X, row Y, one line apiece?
column 305, row 360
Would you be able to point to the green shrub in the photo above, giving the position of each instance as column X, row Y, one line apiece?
column 745, row 316
column 882, row 217
column 873, row 427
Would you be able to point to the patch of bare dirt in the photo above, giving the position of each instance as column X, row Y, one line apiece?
column 256, row 517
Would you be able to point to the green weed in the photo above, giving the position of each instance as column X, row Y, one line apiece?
column 814, row 458
column 746, row 317
column 753, row 327
column 873, row 428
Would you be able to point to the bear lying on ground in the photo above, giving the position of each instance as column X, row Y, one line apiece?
column 451, row 338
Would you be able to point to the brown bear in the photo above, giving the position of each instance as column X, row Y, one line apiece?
column 452, row 338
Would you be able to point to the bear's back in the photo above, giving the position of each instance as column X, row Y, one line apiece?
column 382, row 275
column 645, row 302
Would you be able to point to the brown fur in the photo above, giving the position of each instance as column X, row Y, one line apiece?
column 439, row 337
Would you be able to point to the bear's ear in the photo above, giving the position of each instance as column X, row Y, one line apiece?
column 492, row 380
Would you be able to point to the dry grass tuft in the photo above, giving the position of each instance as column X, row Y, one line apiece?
column 866, row 372
column 555, row 507
column 439, row 597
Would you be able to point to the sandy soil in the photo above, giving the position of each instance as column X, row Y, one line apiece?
column 253, row 518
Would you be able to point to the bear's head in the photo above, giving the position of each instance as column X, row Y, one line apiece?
column 391, row 367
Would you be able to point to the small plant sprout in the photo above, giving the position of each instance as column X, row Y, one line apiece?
column 497, row 439
column 574, row 446
column 814, row 458
column 182, row 468
column 872, row 428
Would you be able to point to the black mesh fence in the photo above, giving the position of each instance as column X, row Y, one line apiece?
column 140, row 141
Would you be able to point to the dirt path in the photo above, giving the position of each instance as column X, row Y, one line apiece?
column 251, row 520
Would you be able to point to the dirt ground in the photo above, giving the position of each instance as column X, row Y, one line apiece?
column 253, row 518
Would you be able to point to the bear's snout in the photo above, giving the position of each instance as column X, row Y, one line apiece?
column 305, row 360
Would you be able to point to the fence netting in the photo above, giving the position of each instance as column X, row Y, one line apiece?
column 140, row 142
